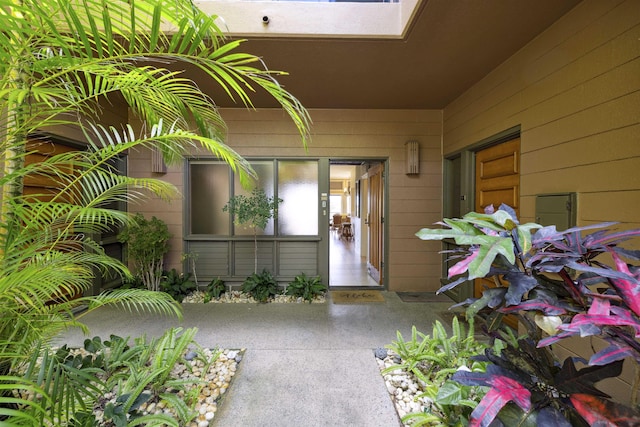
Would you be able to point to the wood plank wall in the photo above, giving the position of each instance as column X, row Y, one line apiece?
column 575, row 91
column 415, row 200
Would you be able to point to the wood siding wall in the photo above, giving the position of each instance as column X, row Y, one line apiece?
column 575, row 92
column 415, row 200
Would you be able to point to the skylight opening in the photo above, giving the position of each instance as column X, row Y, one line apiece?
column 314, row 18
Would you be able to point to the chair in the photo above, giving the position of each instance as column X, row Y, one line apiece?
column 336, row 225
column 346, row 232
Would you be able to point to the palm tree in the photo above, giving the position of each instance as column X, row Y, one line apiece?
column 61, row 62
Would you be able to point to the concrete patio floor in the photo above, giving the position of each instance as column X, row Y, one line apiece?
column 304, row 365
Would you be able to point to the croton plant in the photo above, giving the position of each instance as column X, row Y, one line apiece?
column 558, row 284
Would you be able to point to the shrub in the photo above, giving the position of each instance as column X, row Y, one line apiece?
column 215, row 289
column 133, row 372
column 177, row 285
column 306, row 288
column 261, row 286
column 559, row 284
column 434, row 360
column 147, row 242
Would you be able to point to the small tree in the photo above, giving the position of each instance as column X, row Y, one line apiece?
column 147, row 243
column 253, row 212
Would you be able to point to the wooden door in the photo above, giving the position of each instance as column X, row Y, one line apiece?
column 498, row 176
column 45, row 187
column 497, row 182
column 42, row 186
column 376, row 219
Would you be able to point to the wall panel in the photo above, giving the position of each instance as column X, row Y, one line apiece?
column 414, row 202
column 574, row 91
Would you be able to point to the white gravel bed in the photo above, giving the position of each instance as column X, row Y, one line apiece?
column 403, row 387
column 213, row 384
column 216, row 382
column 236, row 297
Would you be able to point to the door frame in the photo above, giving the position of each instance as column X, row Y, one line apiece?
column 324, row 165
column 467, row 197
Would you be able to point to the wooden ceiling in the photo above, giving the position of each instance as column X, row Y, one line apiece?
column 451, row 45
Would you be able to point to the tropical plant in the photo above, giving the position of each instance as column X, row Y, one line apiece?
column 147, row 243
column 178, row 285
column 254, row 212
column 61, row 64
column 306, row 287
column 558, row 284
column 134, row 374
column 215, row 289
column 191, row 258
column 434, row 359
column 261, row 286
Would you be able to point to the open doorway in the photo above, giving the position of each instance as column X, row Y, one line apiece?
column 352, row 249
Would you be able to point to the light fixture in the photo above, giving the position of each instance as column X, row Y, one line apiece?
column 157, row 161
column 412, row 158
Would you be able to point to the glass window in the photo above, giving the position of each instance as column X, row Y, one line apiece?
column 298, row 188
column 264, row 171
column 209, row 185
column 335, row 205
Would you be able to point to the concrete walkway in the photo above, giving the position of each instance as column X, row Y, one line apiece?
column 304, row 365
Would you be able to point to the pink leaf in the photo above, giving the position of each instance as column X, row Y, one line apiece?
column 586, row 322
column 599, row 306
column 628, row 289
column 503, row 390
column 591, row 409
column 463, row 265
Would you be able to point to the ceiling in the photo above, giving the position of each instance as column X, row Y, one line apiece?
column 451, row 45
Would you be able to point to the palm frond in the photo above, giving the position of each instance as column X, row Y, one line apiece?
column 14, row 401
column 128, row 36
column 61, row 63
column 135, row 300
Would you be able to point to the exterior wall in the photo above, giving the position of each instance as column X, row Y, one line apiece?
column 414, row 201
column 575, row 92
column 170, row 211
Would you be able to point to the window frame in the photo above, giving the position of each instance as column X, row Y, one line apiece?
column 232, row 182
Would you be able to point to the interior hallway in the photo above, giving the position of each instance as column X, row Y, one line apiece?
column 346, row 267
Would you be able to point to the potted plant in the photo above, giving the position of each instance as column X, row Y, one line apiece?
column 254, row 212
column 558, row 284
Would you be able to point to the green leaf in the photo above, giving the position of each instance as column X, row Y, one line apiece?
column 489, row 248
column 450, row 393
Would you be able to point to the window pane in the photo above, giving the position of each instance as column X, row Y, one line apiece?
column 335, row 205
column 264, row 170
column 209, row 183
column 298, row 188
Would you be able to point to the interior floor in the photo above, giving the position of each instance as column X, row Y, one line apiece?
column 346, row 267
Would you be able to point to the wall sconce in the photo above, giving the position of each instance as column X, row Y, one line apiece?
column 157, row 161
column 412, row 158
column 347, row 189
